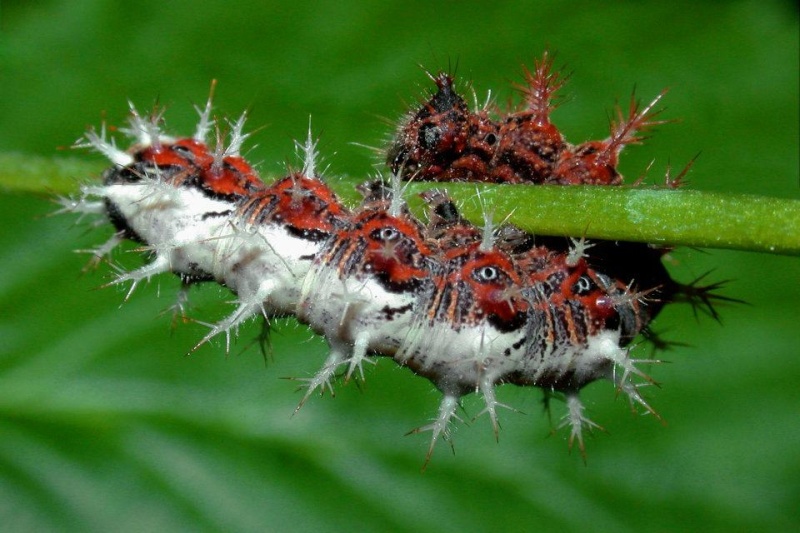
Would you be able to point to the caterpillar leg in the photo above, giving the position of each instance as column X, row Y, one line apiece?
column 249, row 306
column 99, row 253
column 159, row 265
column 230, row 323
column 440, row 425
column 178, row 310
column 81, row 205
column 625, row 368
column 322, row 379
column 490, row 399
column 577, row 421
column 358, row 356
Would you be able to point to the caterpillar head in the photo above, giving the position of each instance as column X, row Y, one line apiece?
column 434, row 136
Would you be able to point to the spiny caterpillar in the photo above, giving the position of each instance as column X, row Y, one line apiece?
column 467, row 307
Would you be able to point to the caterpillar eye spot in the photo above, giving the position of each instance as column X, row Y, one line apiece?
column 487, row 274
column 583, row 286
column 385, row 234
column 183, row 151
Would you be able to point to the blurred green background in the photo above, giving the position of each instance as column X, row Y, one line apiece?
column 105, row 424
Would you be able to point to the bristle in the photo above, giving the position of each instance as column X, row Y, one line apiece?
column 481, row 107
column 440, row 427
column 158, row 266
column 246, row 309
column 703, row 297
column 491, row 405
column 577, row 251
column 322, row 380
column 206, row 123
column 81, row 205
column 178, row 310
column 237, row 136
column 310, row 154
column 542, row 85
column 145, row 131
column 99, row 253
column 358, row 356
column 679, row 180
column 621, row 375
column 107, row 148
column 488, row 236
column 398, row 191
column 219, row 153
column 624, row 130
column 577, row 421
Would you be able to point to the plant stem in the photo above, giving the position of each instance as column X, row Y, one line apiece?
column 660, row 216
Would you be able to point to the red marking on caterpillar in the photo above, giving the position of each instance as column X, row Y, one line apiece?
column 468, row 308
column 444, row 141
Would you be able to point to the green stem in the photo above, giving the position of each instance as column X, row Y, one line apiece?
column 37, row 174
column 665, row 216
column 662, row 216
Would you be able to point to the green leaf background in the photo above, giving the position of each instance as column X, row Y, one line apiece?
column 106, row 424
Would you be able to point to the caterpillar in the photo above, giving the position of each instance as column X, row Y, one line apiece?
column 467, row 307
